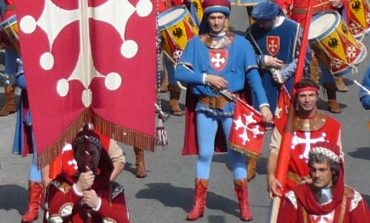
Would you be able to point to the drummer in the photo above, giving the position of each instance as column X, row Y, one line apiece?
column 11, row 56
column 169, row 82
column 297, row 9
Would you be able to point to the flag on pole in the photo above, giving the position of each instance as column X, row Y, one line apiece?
column 283, row 104
column 247, row 130
column 83, row 62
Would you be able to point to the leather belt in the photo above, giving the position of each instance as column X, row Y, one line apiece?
column 216, row 102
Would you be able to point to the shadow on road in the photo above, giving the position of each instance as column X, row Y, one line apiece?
column 13, row 197
column 321, row 104
column 366, row 198
column 172, row 196
column 261, row 163
column 361, row 153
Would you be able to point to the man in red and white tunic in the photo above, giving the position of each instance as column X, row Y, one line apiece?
column 325, row 199
column 88, row 195
column 310, row 126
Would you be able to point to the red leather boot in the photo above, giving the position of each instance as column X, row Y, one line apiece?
column 201, row 186
column 241, row 189
column 35, row 190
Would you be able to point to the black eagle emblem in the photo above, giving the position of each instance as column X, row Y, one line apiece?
column 333, row 43
column 356, row 5
column 178, row 33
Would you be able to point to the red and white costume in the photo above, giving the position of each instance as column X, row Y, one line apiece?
column 307, row 132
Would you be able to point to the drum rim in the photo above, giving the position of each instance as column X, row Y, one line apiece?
column 9, row 21
column 176, row 20
column 326, row 33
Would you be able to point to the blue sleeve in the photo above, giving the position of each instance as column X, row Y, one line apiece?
column 364, row 96
column 21, row 81
column 291, row 68
column 254, row 81
column 185, row 70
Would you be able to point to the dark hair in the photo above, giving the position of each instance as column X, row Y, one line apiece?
column 321, row 158
column 87, row 136
column 306, row 82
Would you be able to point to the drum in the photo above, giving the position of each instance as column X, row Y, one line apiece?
column 176, row 27
column 10, row 27
column 333, row 44
column 196, row 10
column 358, row 17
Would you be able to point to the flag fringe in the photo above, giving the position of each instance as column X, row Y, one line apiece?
column 124, row 135
column 55, row 149
column 119, row 133
column 250, row 154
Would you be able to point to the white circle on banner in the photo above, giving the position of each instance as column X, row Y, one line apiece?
column 28, row 24
column 47, row 61
column 63, row 87
column 129, row 48
column 87, row 97
column 113, row 81
column 144, row 8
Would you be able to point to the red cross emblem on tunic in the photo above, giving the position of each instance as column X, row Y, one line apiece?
column 218, row 58
column 273, row 45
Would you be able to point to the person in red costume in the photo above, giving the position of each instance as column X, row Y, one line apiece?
column 297, row 10
column 88, row 195
column 325, row 198
column 310, row 126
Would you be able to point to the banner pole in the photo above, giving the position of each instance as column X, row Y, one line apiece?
column 284, row 153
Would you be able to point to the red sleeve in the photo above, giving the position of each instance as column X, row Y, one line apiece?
column 361, row 213
column 287, row 212
column 115, row 210
column 57, row 199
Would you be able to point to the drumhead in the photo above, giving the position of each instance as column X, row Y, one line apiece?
column 170, row 17
column 322, row 25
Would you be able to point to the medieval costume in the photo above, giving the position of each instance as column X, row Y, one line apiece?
column 231, row 57
column 65, row 203
column 306, row 132
column 282, row 41
column 338, row 203
column 365, row 95
column 23, row 144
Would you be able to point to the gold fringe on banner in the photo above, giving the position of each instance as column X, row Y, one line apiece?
column 124, row 135
column 56, row 148
column 121, row 134
column 240, row 149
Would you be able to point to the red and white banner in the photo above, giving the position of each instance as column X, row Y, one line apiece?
column 247, row 130
column 86, row 60
column 283, row 104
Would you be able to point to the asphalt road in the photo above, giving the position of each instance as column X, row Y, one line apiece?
column 167, row 193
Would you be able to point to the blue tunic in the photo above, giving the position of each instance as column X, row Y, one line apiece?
column 236, row 64
column 287, row 49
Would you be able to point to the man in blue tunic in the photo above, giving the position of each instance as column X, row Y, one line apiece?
column 216, row 60
column 276, row 40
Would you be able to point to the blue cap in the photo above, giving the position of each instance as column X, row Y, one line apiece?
column 265, row 11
